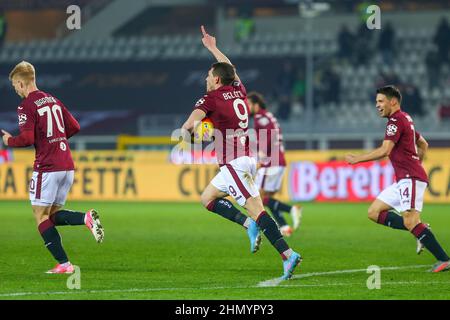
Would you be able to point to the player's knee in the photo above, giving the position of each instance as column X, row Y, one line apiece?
column 54, row 209
column 254, row 207
column 410, row 223
column 411, row 219
column 40, row 217
column 373, row 214
column 253, row 214
column 204, row 202
column 205, row 199
column 41, row 214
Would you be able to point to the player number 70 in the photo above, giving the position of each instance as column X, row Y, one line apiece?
column 55, row 110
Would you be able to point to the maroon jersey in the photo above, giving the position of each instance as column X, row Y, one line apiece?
column 50, row 124
column 270, row 139
column 228, row 110
column 404, row 158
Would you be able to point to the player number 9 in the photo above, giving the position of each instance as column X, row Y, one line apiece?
column 232, row 191
column 242, row 116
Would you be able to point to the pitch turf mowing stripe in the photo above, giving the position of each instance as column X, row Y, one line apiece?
column 276, row 281
column 306, row 275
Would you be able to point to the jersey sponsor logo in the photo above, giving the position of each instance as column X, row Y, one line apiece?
column 22, row 119
column 391, row 130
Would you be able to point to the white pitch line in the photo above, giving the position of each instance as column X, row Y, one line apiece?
column 72, row 292
column 276, row 281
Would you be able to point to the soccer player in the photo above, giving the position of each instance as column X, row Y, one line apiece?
column 225, row 103
column 406, row 149
column 272, row 163
column 47, row 124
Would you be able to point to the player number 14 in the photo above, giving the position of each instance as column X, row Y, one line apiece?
column 54, row 110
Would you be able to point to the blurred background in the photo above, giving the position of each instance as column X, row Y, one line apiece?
column 134, row 70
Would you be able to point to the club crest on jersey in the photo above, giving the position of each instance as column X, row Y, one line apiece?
column 391, row 130
column 22, row 119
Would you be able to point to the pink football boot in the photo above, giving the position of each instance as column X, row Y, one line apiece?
column 92, row 221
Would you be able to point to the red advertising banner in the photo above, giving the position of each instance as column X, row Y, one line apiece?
column 338, row 181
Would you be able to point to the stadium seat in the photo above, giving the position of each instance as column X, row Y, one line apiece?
column 412, row 47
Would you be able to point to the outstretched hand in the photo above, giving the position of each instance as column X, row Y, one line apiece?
column 208, row 40
column 210, row 43
column 351, row 158
column 6, row 136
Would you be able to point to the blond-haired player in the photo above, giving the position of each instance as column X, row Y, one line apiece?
column 46, row 123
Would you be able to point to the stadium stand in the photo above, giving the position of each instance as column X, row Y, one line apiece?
column 348, row 108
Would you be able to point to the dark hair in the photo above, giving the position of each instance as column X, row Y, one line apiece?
column 224, row 71
column 256, row 97
column 391, row 92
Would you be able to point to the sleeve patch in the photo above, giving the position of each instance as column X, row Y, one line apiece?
column 263, row 121
column 200, row 102
column 22, row 119
column 391, row 130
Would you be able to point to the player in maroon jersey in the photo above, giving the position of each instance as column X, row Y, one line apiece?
column 272, row 163
column 225, row 103
column 47, row 124
column 406, row 149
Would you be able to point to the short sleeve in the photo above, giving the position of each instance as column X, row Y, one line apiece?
column 26, row 117
column 206, row 104
column 394, row 130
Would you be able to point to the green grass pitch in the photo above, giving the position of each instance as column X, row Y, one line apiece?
column 182, row 251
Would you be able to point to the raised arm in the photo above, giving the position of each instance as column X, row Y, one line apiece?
column 210, row 43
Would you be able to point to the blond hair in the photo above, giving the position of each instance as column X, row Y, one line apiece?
column 25, row 71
